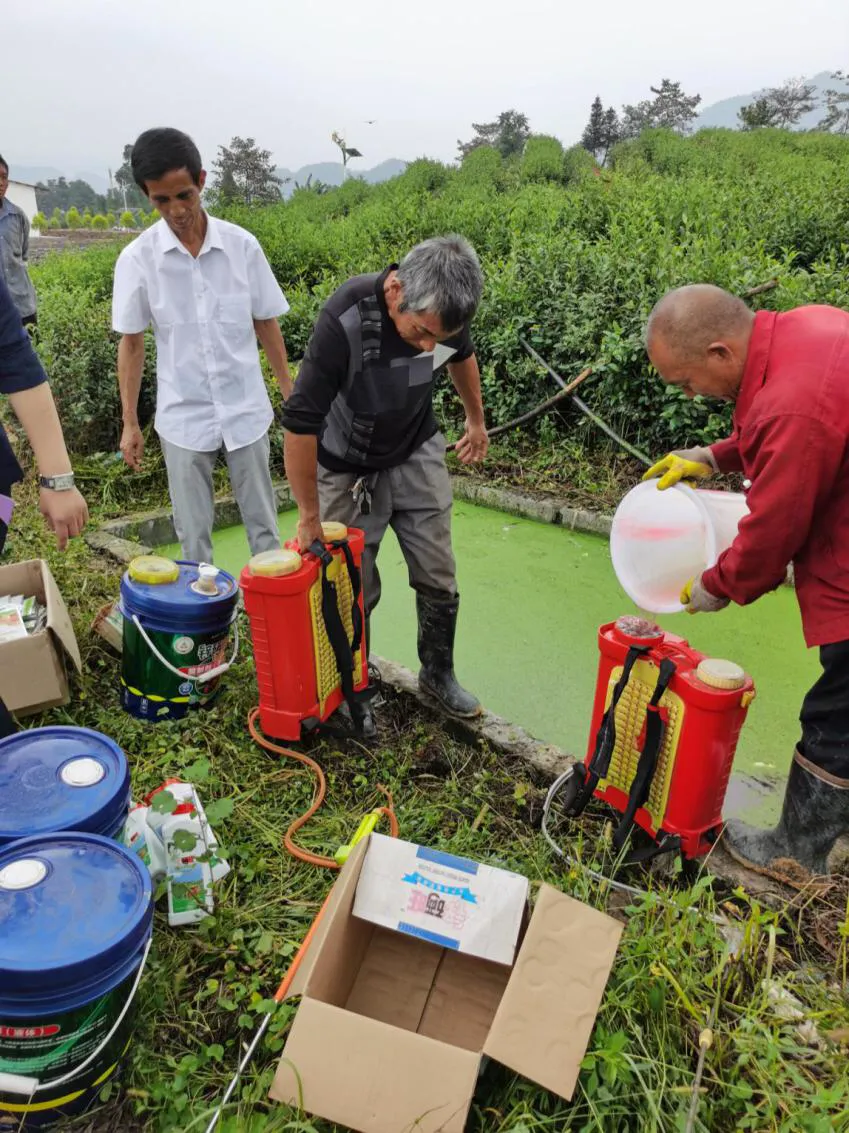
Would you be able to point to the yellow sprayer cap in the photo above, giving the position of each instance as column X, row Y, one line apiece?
column 331, row 532
column 153, row 569
column 274, row 564
column 720, row 674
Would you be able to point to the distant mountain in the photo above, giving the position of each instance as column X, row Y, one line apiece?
column 724, row 113
column 330, row 173
column 35, row 173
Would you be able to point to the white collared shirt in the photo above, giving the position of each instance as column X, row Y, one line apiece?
column 209, row 382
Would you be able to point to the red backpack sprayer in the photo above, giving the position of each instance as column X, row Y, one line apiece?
column 665, row 724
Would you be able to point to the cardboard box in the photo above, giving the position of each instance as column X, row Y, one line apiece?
column 33, row 675
column 450, row 901
column 109, row 624
column 391, row 1029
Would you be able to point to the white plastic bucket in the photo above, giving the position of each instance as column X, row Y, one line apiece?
column 660, row 540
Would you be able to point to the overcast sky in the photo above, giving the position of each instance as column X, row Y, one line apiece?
column 81, row 79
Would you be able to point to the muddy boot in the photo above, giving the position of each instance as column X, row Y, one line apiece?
column 437, row 625
column 357, row 723
column 814, row 815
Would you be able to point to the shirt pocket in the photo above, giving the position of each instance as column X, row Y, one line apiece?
column 233, row 315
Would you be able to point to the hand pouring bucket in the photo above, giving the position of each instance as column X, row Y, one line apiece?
column 660, row 540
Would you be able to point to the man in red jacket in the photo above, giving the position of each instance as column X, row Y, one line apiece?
column 788, row 376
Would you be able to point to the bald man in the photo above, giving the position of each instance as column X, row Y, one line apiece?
column 788, row 377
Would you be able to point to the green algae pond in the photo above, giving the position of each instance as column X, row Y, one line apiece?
column 532, row 598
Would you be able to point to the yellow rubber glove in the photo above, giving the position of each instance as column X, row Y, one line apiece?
column 686, row 464
column 698, row 600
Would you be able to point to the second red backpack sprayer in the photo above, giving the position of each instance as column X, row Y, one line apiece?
column 665, row 725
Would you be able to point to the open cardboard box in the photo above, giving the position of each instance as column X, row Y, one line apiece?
column 32, row 668
column 391, row 1029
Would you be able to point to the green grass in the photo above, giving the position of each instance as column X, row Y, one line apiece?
column 206, row 988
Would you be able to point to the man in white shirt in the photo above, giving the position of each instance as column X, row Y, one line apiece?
column 209, row 292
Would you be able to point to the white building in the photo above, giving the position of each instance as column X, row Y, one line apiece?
column 22, row 194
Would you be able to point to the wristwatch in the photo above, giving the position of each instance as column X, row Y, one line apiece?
column 62, row 483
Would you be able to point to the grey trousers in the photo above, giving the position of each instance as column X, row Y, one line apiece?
column 192, row 496
column 415, row 500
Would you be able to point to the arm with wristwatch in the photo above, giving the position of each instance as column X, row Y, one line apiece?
column 23, row 380
column 62, row 506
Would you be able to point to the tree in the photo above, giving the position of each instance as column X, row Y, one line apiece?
column 780, row 106
column 757, row 114
column 837, row 107
column 110, row 219
column 670, row 109
column 128, row 219
column 244, row 174
column 508, row 134
column 40, row 222
column 99, row 222
column 73, row 218
column 347, row 151
column 601, row 131
column 62, row 194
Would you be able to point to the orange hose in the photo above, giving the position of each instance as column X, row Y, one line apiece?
column 321, row 791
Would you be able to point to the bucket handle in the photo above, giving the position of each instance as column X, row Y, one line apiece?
column 201, row 678
column 26, row 1087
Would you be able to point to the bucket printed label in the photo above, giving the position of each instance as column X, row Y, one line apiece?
column 49, row 1049
column 151, row 691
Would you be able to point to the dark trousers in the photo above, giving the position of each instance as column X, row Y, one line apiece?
column 825, row 713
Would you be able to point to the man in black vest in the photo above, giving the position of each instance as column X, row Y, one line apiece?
column 362, row 444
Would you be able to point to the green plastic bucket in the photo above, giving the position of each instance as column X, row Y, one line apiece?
column 176, row 637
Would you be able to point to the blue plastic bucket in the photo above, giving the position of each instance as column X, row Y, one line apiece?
column 76, row 912
column 55, row 779
column 176, row 642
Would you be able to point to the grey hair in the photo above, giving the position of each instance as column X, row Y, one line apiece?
column 442, row 276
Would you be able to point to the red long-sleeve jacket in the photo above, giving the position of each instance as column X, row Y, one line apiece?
column 791, row 439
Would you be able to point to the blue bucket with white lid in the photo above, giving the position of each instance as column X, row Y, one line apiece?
column 62, row 778
column 177, row 624
column 76, row 915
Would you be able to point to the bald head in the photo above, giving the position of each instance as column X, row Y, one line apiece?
column 697, row 338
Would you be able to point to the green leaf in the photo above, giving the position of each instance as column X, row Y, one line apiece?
column 163, row 802
column 184, row 840
column 218, row 810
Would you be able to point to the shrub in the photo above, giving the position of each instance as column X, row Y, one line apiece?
column 573, row 265
column 73, row 218
column 128, row 219
column 542, row 159
column 99, row 222
column 40, row 222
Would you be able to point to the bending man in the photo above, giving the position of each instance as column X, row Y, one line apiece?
column 362, row 443
column 788, row 376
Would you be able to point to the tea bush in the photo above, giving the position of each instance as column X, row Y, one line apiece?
column 573, row 261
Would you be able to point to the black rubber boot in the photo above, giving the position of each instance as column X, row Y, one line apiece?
column 814, row 815
column 437, row 625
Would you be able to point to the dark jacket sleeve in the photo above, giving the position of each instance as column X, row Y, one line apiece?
column 19, row 364
column 797, row 461
column 320, row 377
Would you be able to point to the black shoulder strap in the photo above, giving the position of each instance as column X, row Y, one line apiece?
column 605, row 740
column 647, row 765
column 371, row 324
column 356, row 587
